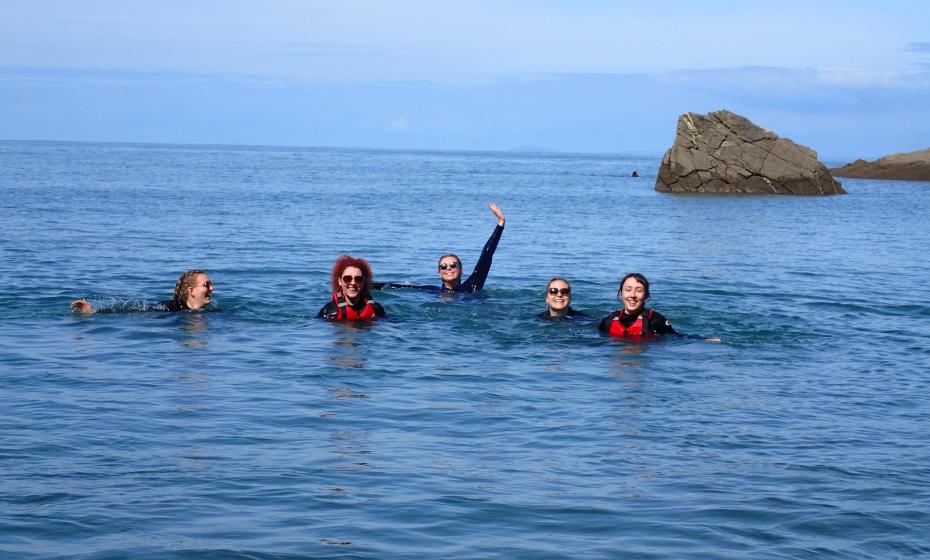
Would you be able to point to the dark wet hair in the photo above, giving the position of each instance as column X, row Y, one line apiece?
column 557, row 278
column 639, row 278
column 344, row 262
column 185, row 281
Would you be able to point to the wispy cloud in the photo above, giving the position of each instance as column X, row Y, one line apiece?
column 398, row 124
column 918, row 47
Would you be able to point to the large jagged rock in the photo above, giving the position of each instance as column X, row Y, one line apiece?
column 722, row 152
column 908, row 166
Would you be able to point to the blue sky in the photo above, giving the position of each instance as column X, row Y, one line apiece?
column 849, row 79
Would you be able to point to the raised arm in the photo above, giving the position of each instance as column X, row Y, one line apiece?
column 476, row 281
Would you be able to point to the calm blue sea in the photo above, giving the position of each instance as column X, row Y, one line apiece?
column 464, row 427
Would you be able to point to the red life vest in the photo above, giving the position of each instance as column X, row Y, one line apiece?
column 639, row 328
column 345, row 312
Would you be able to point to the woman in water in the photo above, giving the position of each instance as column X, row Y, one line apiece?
column 192, row 291
column 559, row 300
column 351, row 301
column 450, row 266
column 635, row 319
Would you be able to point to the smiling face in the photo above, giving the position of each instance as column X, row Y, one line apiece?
column 199, row 291
column 352, row 281
column 558, row 297
column 450, row 271
column 633, row 294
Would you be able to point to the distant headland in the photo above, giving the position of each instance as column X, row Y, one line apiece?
column 906, row 166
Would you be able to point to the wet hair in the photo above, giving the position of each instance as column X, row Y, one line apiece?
column 639, row 278
column 556, row 279
column 453, row 255
column 185, row 281
column 344, row 262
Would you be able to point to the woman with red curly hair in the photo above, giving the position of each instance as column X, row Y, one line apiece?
column 351, row 283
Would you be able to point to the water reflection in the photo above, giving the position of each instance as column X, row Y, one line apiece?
column 195, row 326
column 624, row 357
column 346, row 350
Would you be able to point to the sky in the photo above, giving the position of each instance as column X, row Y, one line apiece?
column 848, row 79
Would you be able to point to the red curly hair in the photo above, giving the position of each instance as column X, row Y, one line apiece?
column 344, row 262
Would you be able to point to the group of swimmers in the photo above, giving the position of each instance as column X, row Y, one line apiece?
column 352, row 281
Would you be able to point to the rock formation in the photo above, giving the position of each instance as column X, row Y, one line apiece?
column 910, row 166
column 722, row 152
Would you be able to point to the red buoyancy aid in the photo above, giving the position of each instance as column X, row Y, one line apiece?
column 639, row 328
column 346, row 312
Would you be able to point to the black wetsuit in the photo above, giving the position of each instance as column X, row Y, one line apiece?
column 657, row 324
column 172, row 305
column 572, row 313
column 473, row 283
column 331, row 309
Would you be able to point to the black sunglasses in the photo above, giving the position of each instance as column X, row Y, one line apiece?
column 347, row 279
column 557, row 291
column 444, row 266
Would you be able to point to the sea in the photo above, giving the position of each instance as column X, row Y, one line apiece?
column 459, row 427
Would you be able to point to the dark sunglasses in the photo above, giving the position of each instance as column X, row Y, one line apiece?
column 347, row 279
column 557, row 291
column 208, row 285
column 444, row 266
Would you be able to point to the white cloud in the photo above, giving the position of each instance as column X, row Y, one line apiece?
column 398, row 124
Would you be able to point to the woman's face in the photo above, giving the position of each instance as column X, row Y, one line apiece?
column 633, row 295
column 352, row 281
column 450, row 269
column 199, row 292
column 558, row 295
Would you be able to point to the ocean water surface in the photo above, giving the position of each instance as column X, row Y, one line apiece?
column 459, row 427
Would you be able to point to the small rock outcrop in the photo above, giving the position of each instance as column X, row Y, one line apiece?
column 722, row 152
column 909, row 166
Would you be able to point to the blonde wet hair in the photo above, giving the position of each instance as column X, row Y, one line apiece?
column 185, row 281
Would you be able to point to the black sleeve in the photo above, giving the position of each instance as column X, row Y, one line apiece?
column 604, row 325
column 328, row 311
column 379, row 310
column 170, row 305
column 659, row 324
column 476, row 281
column 394, row 285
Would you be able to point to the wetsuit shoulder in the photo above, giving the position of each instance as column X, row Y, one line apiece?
column 171, row 305
column 604, row 325
column 379, row 309
column 659, row 324
column 328, row 311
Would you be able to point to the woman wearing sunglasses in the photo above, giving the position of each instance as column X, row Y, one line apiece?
column 351, row 281
column 634, row 319
column 450, row 266
column 559, row 300
column 193, row 291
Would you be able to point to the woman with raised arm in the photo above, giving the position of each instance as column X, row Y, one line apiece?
column 450, row 266
column 351, row 281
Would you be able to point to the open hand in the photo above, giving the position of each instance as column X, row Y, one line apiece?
column 497, row 212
